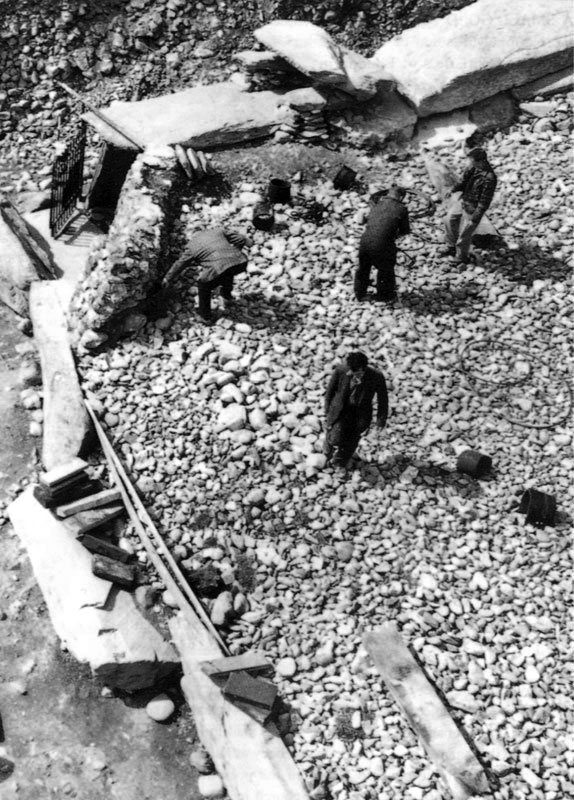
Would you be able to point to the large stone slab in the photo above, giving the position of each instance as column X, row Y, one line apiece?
column 99, row 624
column 313, row 52
column 67, row 426
column 202, row 117
column 481, row 50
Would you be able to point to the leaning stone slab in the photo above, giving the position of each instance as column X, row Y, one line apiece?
column 205, row 116
column 99, row 624
column 481, row 50
column 66, row 423
column 494, row 112
column 313, row 52
column 306, row 47
column 556, row 83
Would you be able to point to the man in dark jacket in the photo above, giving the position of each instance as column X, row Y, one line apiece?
column 467, row 209
column 349, row 406
column 388, row 220
column 216, row 252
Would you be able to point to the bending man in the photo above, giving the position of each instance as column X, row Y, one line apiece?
column 387, row 220
column 217, row 253
column 349, row 406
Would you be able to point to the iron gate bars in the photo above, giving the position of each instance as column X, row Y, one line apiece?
column 67, row 182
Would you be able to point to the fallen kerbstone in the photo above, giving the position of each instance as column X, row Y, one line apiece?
column 487, row 47
column 66, row 423
column 99, row 624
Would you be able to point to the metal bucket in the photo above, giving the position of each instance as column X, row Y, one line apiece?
column 263, row 217
column 540, row 508
column 344, row 178
column 279, row 191
column 473, row 463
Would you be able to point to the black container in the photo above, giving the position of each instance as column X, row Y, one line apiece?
column 279, row 191
column 263, row 217
column 344, row 178
column 473, row 463
column 540, row 508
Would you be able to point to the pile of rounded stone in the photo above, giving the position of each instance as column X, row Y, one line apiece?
column 222, row 430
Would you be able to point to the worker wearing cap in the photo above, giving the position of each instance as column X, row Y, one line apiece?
column 466, row 210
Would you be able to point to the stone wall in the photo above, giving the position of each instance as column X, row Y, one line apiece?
column 124, row 267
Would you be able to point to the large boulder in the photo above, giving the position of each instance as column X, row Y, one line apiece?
column 313, row 52
column 481, row 50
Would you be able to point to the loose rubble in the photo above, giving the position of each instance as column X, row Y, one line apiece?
column 222, row 429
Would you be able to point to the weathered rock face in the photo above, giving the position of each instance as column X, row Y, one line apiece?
column 487, row 47
column 313, row 52
column 386, row 118
column 213, row 115
column 122, row 269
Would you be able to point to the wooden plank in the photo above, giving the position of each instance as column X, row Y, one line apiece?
column 86, row 503
column 37, row 249
column 254, row 691
column 87, row 521
column 247, row 662
column 123, row 575
column 252, row 760
column 66, row 423
column 425, row 712
column 97, row 622
column 100, row 546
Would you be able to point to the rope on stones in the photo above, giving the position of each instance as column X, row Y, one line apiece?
column 499, row 377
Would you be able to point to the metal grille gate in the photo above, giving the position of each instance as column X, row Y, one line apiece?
column 67, row 182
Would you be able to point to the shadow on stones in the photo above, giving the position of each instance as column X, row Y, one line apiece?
column 441, row 299
column 391, row 470
column 527, row 264
column 265, row 312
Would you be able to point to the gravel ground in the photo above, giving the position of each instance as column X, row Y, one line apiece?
column 222, row 429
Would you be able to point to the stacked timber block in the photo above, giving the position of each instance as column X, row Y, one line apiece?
column 239, row 679
column 86, row 511
column 96, row 620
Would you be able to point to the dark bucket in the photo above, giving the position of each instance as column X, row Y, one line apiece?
column 344, row 178
column 279, row 191
column 473, row 463
column 540, row 508
column 263, row 217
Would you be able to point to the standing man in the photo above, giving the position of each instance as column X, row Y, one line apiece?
column 349, row 406
column 217, row 253
column 466, row 210
column 388, row 220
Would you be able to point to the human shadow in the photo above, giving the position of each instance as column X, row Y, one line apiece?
column 441, row 299
column 526, row 264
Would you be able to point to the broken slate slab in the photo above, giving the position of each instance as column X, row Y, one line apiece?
column 98, row 623
column 202, row 117
column 485, row 48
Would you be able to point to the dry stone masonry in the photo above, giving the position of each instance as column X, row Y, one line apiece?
column 123, row 269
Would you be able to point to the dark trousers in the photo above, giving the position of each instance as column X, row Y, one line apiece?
column 384, row 262
column 204, row 289
column 341, row 440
